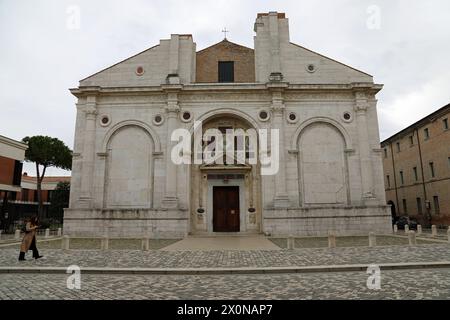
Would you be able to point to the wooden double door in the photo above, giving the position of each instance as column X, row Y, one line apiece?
column 226, row 209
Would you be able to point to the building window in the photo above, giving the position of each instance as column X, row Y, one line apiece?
column 24, row 194
column 445, row 123
column 411, row 140
column 385, row 153
column 12, row 195
column 402, row 180
column 17, row 178
column 405, row 208
column 436, row 205
column 398, row 146
column 415, row 173
column 427, row 133
column 35, row 196
column 432, row 169
column 419, row 206
column 388, row 179
column 226, row 71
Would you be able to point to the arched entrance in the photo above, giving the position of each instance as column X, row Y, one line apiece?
column 393, row 211
column 226, row 194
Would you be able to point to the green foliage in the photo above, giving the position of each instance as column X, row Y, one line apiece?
column 48, row 152
column 59, row 200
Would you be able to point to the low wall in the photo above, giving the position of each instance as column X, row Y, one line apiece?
column 344, row 221
column 126, row 223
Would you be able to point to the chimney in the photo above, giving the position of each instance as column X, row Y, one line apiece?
column 272, row 37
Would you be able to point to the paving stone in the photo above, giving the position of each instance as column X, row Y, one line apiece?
column 412, row 284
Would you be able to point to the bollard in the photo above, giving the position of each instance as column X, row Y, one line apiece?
column 331, row 240
column 66, row 243
column 105, row 243
column 47, row 233
column 419, row 229
column 433, row 231
column 145, row 244
column 395, row 229
column 412, row 238
column 372, row 239
column 448, row 234
column 1, row 234
column 290, row 243
column 17, row 235
column 406, row 229
column 59, row 233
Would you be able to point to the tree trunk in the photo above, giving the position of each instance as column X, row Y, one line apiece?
column 39, row 179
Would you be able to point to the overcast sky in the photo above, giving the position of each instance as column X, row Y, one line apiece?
column 404, row 44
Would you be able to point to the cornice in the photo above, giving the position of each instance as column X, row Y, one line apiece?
column 83, row 91
column 13, row 143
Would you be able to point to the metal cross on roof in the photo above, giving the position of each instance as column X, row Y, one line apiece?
column 225, row 32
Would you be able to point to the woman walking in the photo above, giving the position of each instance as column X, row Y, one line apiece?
column 29, row 239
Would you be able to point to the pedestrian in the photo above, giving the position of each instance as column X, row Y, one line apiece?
column 29, row 239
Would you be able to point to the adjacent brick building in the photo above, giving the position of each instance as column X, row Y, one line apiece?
column 417, row 169
column 12, row 154
column 23, row 202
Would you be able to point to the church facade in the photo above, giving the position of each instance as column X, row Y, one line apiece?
column 328, row 177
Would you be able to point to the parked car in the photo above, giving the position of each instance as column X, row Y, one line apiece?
column 402, row 221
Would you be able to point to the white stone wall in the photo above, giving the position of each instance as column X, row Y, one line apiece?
column 164, row 209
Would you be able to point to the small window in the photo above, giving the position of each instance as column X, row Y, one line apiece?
column 432, row 169
column 402, row 180
column 419, row 206
column 415, row 173
column 226, row 71
column 17, row 177
column 405, row 208
column 388, row 179
column 24, row 194
column 385, row 153
column 398, row 147
column 437, row 210
column 445, row 123
column 411, row 140
column 426, row 133
column 12, row 195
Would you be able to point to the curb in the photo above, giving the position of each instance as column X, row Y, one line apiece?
column 221, row 271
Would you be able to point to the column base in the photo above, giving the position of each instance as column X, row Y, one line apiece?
column 170, row 203
column 281, row 201
column 370, row 199
column 84, row 202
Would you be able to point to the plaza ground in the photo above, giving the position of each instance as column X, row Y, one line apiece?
column 415, row 281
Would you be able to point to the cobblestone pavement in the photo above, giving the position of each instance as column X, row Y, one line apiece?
column 412, row 284
column 223, row 258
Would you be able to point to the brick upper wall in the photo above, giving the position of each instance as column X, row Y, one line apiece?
column 208, row 61
column 6, row 170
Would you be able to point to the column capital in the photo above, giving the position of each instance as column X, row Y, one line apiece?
column 91, row 111
column 277, row 106
column 361, row 107
column 172, row 109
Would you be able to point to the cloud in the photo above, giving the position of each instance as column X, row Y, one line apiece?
column 41, row 58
